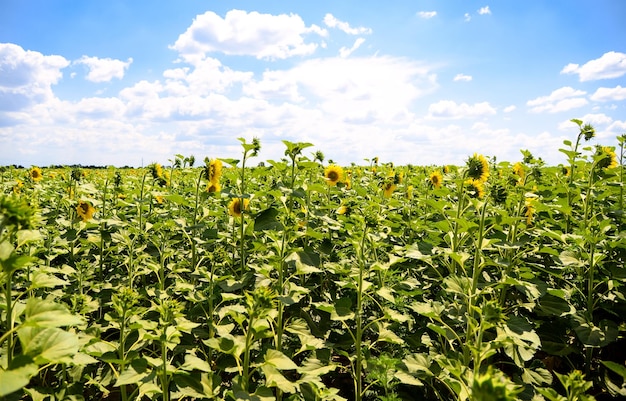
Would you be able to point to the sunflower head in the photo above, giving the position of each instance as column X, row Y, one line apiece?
column 529, row 210
column 475, row 188
column 236, row 207
column 333, row 174
column 156, row 170
column 16, row 213
column 35, row 174
column 213, row 187
column 435, row 179
column 213, row 170
column 478, row 168
column 606, row 158
column 159, row 199
column 85, row 210
column 499, row 193
column 588, row 131
column 409, row 192
column 388, row 187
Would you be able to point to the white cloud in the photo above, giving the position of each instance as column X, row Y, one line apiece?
column 609, row 65
column 450, row 109
column 467, row 17
column 462, row 77
column 509, row 109
column 264, row 36
column 609, row 94
column 427, row 14
column 593, row 119
column 345, row 52
column 27, row 77
column 484, row 10
column 104, row 69
column 333, row 22
column 561, row 99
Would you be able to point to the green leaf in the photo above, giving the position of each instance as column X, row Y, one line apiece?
column 45, row 313
column 48, row 345
column 305, row 262
column 266, row 220
column 279, row 360
column 134, row 373
column 592, row 335
column 192, row 362
column 615, row 367
column 14, row 379
column 273, row 378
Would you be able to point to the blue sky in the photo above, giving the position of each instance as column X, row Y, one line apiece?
column 420, row 82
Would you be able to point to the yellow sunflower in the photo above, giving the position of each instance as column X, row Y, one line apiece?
column 343, row 209
column 234, row 207
column 35, row 174
column 435, row 179
column 18, row 186
column 333, row 174
column 214, row 170
column 85, row 210
column 409, row 192
column 608, row 157
column 388, row 188
column 213, row 187
column 518, row 170
column 476, row 189
column 478, row 168
column 159, row 199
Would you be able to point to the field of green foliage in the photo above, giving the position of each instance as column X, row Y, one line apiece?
column 298, row 279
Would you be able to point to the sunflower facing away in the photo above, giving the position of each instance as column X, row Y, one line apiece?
column 529, row 210
column 85, row 210
column 234, row 207
column 214, row 171
column 333, row 174
column 388, row 187
column 213, row 187
column 475, row 188
column 35, row 173
column 608, row 160
column 518, row 170
column 435, row 179
column 478, row 168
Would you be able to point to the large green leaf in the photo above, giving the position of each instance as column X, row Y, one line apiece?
column 48, row 345
column 18, row 376
column 266, row 220
column 45, row 313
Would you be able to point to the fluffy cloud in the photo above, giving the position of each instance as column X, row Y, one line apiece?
column 609, row 65
column 345, row 52
column 609, row 94
column 450, row 109
column 462, row 77
column 427, row 14
column 104, row 69
column 264, row 36
column 561, row 99
column 484, row 10
column 333, row 22
column 509, row 109
column 27, row 77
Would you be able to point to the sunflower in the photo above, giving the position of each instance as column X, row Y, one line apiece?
column 607, row 158
column 35, row 174
column 234, row 207
column 18, row 186
column 333, row 174
column 476, row 188
column 388, row 187
column 409, row 192
column 156, row 170
column 85, row 210
column 518, row 170
column 213, row 187
column 343, row 209
column 565, row 171
column 478, row 168
column 446, row 169
column 159, row 199
column 435, row 179
column 214, row 170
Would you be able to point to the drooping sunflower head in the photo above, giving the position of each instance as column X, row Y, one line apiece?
column 388, row 187
column 333, row 174
column 85, row 210
column 435, row 179
column 156, row 170
column 475, row 188
column 16, row 212
column 236, row 207
column 606, row 158
column 35, row 174
column 518, row 170
column 498, row 193
column 213, row 187
column 478, row 168
column 213, row 170
column 565, row 171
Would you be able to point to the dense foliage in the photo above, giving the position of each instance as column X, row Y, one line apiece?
column 302, row 280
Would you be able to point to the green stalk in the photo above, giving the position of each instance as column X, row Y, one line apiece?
column 195, row 221
column 122, row 351
column 246, row 354
column 242, row 249
column 358, row 368
column 164, row 379
column 143, row 181
column 9, row 301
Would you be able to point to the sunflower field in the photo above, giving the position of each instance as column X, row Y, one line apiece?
column 298, row 279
